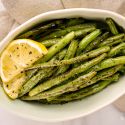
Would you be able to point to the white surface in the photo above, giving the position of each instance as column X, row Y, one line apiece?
column 106, row 116
column 52, row 113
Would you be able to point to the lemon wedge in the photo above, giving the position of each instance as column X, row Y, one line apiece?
column 12, row 87
column 18, row 55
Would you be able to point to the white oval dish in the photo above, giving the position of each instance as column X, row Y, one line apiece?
column 72, row 110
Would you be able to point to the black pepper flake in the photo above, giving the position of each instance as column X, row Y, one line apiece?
column 17, row 47
column 30, row 52
column 21, row 72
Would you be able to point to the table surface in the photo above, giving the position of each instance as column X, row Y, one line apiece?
column 106, row 116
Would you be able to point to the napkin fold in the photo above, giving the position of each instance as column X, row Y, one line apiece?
column 6, row 23
column 22, row 10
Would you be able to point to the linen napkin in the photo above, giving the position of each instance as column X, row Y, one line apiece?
column 19, row 11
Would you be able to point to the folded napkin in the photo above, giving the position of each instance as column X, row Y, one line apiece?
column 19, row 11
column 22, row 10
column 6, row 22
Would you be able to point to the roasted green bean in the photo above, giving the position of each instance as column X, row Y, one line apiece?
column 96, row 42
column 77, row 94
column 63, row 32
column 112, row 26
column 40, row 75
column 39, row 29
column 50, row 42
column 57, row 47
column 116, row 50
column 78, row 83
column 109, row 63
column 77, row 59
column 61, row 78
column 112, row 39
column 86, row 40
column 70, row 54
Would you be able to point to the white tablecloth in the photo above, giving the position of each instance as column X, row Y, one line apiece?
column 107, row 116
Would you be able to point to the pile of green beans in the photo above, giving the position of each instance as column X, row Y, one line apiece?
column 84, row 56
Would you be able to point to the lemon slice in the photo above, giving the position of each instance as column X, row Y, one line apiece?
column 19, row 55
column 12, row 87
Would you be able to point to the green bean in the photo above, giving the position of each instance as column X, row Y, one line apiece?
column 57, row 47
column 81, row 26
column 115, row 76
column 103, row 74
column 35, row 76
column 112, row 26
column 72, row 86
column 70, row 54
column 83, row 32
column 73, row 21
column 79, row 94
column 109, row 63
column 30, row 73
column 63, row 32
column 41, row 75
column 67, row 87
column 116, row 42
column 96, row 42
column 122, row 71
column 50, row 42
column 112, row 39
column 123, row 52
column 86, row 40
column 116, row 50
column 90, row 26
column 77, row 84
column 85, row 91
column 60, row 55
column 60, row 33
column 70, row 51
column 39, row 29
column 77, row 59
column 53, row 35
column 61, row 78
